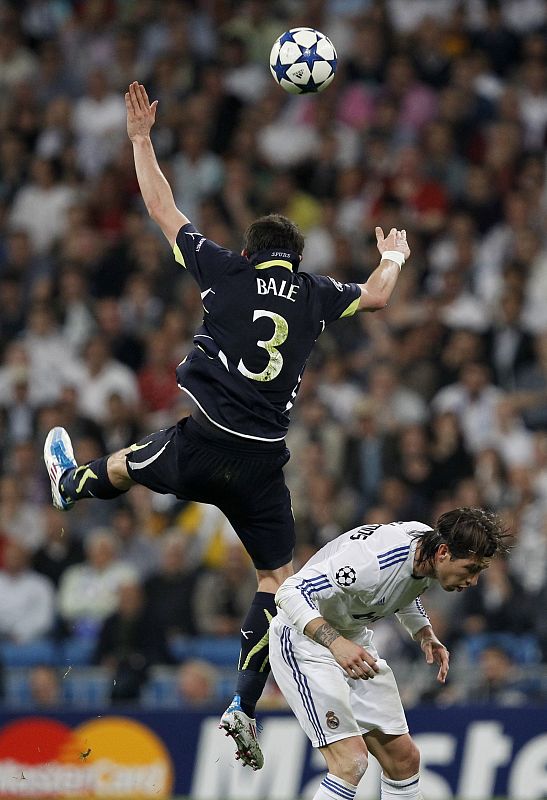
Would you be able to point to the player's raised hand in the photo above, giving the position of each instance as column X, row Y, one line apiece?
column 354, row 659
column 395, row 240
column 141, row 115
column 435, row 651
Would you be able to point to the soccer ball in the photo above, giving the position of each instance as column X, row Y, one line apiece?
column 303, row 60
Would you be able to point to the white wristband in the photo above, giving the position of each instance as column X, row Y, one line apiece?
column 394, row 255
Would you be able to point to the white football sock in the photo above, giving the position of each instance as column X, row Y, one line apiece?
column 333, row 788
column 407, row 789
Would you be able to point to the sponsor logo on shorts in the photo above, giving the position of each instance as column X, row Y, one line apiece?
column 346, row 576
column 332, row 720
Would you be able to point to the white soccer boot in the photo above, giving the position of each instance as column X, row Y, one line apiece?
column 59, row 457
column 242, row 729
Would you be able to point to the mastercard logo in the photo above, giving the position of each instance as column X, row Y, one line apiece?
column 108, row 757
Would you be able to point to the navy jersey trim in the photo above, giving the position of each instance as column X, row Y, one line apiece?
column 223, row 427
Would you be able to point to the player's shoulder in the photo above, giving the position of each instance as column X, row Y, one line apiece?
column 188, row 237
column 316, row 281
column 387, row 538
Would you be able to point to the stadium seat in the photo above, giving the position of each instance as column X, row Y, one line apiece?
column 28, row 654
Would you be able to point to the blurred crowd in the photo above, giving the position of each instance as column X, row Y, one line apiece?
column 437, row 123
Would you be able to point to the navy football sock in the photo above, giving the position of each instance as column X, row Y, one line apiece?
column 89, row 480
column 254, row 663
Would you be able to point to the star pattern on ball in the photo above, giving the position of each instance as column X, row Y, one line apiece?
column 345, row 576
column 303, row 60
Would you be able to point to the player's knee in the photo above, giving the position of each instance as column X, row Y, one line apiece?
column 353, row 764
column 407, row 762
column 117, row 469
column 354, row 768
column 271, row 580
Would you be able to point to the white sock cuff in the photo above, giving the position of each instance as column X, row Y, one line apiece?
column 401, row 784
column 338, row 787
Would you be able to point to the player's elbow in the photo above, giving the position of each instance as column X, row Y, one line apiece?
column 380, row 302
column 155, row 212
column 375, row 302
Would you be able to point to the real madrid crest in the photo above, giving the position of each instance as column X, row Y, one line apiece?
column 332, row 720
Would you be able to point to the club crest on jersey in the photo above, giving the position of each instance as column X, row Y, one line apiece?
column 338, row 285
column 346, row 576
column 332, row 720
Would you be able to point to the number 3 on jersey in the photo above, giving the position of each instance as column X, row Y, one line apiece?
column 275, row 364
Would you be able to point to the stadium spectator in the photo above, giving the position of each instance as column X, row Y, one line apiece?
column 27, row 599
column 474, row 400
column 99, row 124
column 88, row 592
column 17, row 63
column 48, row 354
column 20, row 518
column 129, row 641
column 60, row 548
column 510, row 347
column 157, row 388
column 102, row 376
column 501, row 681
column 222, row 596
column 197, row 682
column 44, row 687
column 40, row 208
column 170, row 589
column 134, row 547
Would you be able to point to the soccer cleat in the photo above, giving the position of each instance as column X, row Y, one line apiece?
column 242, row 729
column 59, row 457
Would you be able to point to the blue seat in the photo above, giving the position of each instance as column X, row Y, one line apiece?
column 28, row 654
column 16, row 688
column 77, row 651
column 160, row 690
column 221, row 652
column 87, row 687
column 525, row 644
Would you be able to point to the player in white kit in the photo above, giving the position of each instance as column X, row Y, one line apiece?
column 322, row 652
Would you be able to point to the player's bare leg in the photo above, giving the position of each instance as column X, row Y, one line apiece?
column 347, row 761
column 400, row 761
column 254, row 667
column 117, row 470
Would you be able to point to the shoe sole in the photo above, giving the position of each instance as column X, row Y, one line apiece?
column 58, row 456
column 242, row 754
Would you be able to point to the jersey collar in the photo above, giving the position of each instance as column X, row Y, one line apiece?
column 263, row 259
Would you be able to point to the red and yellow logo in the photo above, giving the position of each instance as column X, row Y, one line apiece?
column 109, row 758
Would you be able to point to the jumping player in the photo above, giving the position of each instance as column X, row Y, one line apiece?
column 322, row 651
column 261, row 320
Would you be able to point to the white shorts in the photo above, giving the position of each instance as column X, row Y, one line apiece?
column 328, row 704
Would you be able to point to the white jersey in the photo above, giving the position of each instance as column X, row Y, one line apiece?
column 358, row 578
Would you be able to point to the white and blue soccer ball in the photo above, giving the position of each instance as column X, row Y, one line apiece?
column 303, row 60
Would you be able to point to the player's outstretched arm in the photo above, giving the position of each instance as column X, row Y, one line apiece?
column 354, row 659
column 394, row 251
column 434, row 651
column 155, row 189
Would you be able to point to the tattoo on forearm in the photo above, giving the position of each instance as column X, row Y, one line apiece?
column 325, row 635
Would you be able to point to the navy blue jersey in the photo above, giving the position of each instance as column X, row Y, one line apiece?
column 261, row 320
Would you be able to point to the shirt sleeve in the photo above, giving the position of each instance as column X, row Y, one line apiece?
column 336, row 299
column 203, row 258
column 346, row 571
column 413, row 617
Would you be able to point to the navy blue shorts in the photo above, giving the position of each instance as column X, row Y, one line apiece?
column 243, row 478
